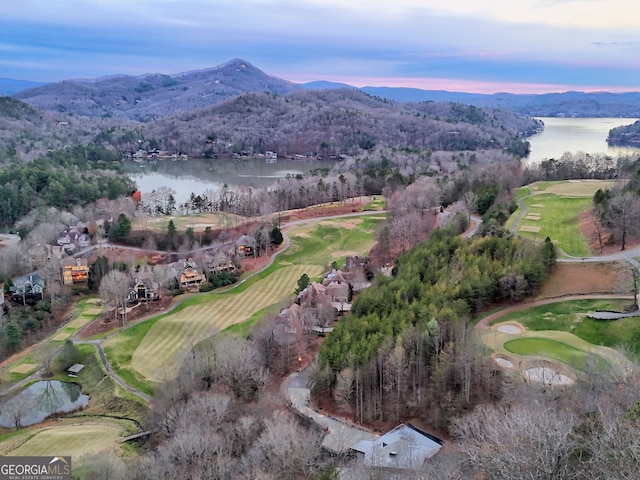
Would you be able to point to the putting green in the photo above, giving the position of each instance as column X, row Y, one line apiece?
column 155, row 356
column 563, row 347
column 549, row 348
column 74, row 440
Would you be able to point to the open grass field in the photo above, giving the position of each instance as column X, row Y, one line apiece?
column 74, row 440
column 571, row 317
column 553, row 211
column 558, row 220
column 146, row 353
column 198, row 222
column 321, row 243
column 169, row 335
column 29, row 360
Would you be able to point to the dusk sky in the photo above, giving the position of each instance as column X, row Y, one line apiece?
column 460, row 45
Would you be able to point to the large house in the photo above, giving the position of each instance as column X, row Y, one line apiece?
column 143, row 290
column 221, row 261
column 404, row 447
column 28, row 289
column 245, row 246
column 187, row 273
column 75, row 271
column 72, row 238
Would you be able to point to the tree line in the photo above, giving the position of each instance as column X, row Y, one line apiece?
column 60, row 179
column 406, row 348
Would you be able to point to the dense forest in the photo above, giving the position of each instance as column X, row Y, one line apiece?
column 406, row 349
column 69, row 177
column 336, row 122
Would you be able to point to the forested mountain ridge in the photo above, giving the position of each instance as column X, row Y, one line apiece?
column 333, row 122
column 152, row 96
column 26, row 132
column 561, row 104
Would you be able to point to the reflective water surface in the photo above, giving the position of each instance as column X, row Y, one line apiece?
column 573, row 135
column 40, row 400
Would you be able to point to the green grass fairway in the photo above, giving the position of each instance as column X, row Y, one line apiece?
column 549, row 348
column 170, row 334
column 570, row 317
column 147, row 352
column 558, row 220
column 553, row 211
column 197, row 221
column 74, row 440
column 321, row 243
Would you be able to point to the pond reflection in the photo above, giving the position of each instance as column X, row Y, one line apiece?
column 40, row 400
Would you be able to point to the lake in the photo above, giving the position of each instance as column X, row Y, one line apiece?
column 572, row 135
column 40, row 400
column 560, row 135
column 200, row 174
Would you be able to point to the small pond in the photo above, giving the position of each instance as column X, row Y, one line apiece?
column 40, row 400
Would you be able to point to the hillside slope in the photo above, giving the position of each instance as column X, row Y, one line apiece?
column 27, row 132
column 152, row 96
column 334, row 122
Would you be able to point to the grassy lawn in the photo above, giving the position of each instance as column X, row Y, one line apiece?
column 85, row 311
column 561, row 315
column 146, row 353
column 570, row 317
column 556, row 217
column 559, row 351
column 196, row 221
column 554, row 212
column 74, row 440
column 377, row 203
column 86, row 431
column 155, row 356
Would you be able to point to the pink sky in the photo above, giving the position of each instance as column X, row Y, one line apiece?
column 454, row 85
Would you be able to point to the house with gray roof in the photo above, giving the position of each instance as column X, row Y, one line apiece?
column 405, row 447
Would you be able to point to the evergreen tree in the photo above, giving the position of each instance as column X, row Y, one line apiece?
column 276, row 236
column 549, row 254
column 121, row 229
column 171, row 229
column 97, row 270
column 303, row 282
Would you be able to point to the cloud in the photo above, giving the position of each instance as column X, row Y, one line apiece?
column 489, row 42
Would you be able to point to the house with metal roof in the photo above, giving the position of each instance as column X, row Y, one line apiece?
column 404, row 447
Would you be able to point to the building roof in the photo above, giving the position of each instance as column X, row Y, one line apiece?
column 405, row 447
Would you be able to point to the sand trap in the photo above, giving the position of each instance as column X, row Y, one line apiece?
column 510, row 328
column 528, row 228
column 503, row 362
column 547, row 376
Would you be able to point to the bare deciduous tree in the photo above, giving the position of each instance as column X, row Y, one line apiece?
column 114, row 288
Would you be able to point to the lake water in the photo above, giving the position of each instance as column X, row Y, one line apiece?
column 198, row 175
column 572, row 135
column 40, row 400
column 560, row 135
